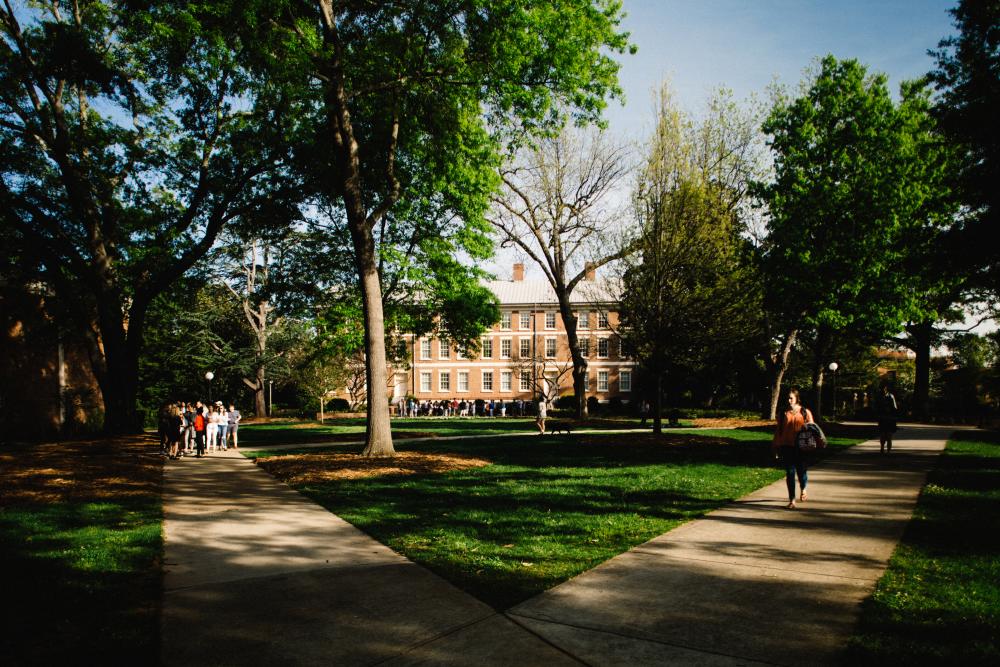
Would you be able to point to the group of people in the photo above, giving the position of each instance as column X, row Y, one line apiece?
column 186, row 428
column 792, row 421
column 410, row 407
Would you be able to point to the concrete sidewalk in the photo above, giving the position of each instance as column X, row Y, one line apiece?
column 258, row 575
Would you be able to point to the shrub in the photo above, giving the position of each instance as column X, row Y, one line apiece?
column 593, row 405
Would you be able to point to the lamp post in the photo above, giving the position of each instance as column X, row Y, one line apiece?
column 833, row 369
column 208, row 376
column 270, row 396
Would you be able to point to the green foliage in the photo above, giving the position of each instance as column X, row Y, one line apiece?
column 968, row 80
column 939, row 600
column 859, row 195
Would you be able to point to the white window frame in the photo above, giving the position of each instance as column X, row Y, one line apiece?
column 525, row 379
column 459, row 351
column 463, row 378
column 505, row 320
column 606, row 344
column 508, row 344
column 524, row 348
column 525, row 322
column 425, row 348
column 444, row 349
column 506, row 381
column 550, row 316
column 426, row 382
column 584, row 344
column 551, row 341
column 487, row 378
column 586, row 381
column 602, row 320
column 486, row 348
column 444, row 380
column 583, row 319
column 625, row 381
column 602, row 381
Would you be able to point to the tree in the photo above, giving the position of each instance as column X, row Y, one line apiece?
column 410, row 104
column 130, row 139
column 556, row 207
column 690, row 290
column 853, row 188
column 968, row 82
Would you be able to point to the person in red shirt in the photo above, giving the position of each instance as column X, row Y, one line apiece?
column 199, row 431
column 790, row 422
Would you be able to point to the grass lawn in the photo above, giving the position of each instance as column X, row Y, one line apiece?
column 939, row 600
column 353, row 428
column 80, row 544
column 546, row 509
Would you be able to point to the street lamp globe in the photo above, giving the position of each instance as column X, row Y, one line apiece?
column 833, row 366
column 209, row 375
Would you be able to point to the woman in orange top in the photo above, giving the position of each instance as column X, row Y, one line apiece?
column 790, row 422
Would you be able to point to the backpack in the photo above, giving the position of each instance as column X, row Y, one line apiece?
column 810, row 438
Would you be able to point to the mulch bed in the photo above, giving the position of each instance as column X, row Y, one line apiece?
column 323, row 467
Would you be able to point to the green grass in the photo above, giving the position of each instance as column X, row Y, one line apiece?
column 549, row 508
column 939, row 600
column 81, row 569
column 353, row 428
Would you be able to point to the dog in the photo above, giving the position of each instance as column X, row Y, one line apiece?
column 564, row 427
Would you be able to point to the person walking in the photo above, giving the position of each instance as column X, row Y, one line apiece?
column 643, row 412
column 212, row 428
column 790, row 422
column 175, row 428
column 542, row 414
column 223, row 425
column 234, row 417
column 887, row 410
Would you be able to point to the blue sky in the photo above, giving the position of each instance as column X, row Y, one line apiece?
column 746, row 44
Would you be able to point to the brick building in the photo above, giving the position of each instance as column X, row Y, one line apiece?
column 526, row 352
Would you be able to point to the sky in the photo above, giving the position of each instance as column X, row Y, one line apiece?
column 745, row 45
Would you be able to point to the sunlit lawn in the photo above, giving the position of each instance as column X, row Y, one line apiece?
column 549, row 508
column 939, row 600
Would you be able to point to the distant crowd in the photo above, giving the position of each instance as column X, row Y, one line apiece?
column 186, row 428
column 410, row 407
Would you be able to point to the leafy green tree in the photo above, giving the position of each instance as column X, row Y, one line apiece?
column 855, row 185
column 968, row 81
column 409, row 103
column 690, row 290
column 129, row 140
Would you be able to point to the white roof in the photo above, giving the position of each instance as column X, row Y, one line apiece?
column 539, row 292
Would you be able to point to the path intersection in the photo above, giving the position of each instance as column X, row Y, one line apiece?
column 256, row 574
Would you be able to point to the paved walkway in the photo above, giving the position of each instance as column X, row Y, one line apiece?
column 258, row 575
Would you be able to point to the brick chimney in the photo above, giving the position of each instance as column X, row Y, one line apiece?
column 518, row 272
column 591, row 271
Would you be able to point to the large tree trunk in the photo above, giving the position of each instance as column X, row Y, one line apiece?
column 777, row 365
column 579, row 363
column 658, row 405
column 378, row 439
column 921, row 337
column 819, row 371
column 120, row 382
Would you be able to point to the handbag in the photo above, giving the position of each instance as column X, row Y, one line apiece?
column 810, row 438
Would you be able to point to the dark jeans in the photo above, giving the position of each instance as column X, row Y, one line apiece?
column 795, row 465
column 199, row 438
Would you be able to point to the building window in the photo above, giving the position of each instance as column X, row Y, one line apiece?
column 487, row 349
column 505, row 320
column 586, row 382
column 621, row 348
column 625, row 381
column 459, row 351
column 582, row 320
column 602, row 380
column 487, row 380
column 525, row 381
column 602, row 348
column 505, row 348
column 425, row 381
column 602, row 320
column 463, row 380
column 444, row 381
column 525, row 348
column 584, row 346
column 525, row 320
column 550, row 348
column 550, row 320
column 425, row 348
column 506, row 380
column 445, row 349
